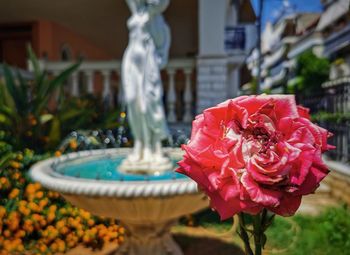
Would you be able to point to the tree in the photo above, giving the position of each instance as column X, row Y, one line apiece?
column 312, row 72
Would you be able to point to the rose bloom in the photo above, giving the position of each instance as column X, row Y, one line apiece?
column 256, row 152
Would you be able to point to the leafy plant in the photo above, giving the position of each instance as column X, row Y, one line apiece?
column 23, row 104
column 328, row 233
column 336, row 117
column 311, row 71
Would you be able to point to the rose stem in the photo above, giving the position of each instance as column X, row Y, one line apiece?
column 258, row 232
column 244, row 235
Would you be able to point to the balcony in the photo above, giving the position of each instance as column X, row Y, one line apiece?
column 234, row 38
column 337, row 41
column 240, row 39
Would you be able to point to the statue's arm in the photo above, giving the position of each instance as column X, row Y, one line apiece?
column 132, row 6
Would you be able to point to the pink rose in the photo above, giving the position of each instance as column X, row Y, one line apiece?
column 256, row 152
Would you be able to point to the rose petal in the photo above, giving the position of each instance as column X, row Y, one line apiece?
column 312, row 180
column 288, row 205
column 258, row 194
column 303, row 112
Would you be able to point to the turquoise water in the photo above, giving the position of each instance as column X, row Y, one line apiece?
column 105, row 168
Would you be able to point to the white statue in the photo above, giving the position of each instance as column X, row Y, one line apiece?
column 146, row 54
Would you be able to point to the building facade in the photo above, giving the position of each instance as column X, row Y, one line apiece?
column 278, row 40
column 326, row 34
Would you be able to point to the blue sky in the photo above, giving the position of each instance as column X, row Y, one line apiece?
column 271, row 7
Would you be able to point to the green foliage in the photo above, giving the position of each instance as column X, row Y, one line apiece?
column 311, row 71
column 24, row 113
column 336, row 117
column 325, row 234
column 86, row 112
column 254, row 86
column 328, row 233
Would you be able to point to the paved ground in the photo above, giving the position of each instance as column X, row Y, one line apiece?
column 193, row 241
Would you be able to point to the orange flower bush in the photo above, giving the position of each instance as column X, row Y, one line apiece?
column 34, row 220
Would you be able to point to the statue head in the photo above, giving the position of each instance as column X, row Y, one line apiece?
column 159, row 5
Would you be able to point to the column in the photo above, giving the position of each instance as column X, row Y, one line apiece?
column 106, row 94
column 233, row 81
column 212, row 59
column 212, row 21
column 90, row 81
column 58, row 90
column 171, row 96
column 188, row 96
column 75, row 85
column 120, row 96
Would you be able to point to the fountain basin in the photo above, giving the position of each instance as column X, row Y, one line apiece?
column 147, row 206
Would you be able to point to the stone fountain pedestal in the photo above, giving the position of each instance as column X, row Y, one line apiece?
column 147, row 220
column 147, row 209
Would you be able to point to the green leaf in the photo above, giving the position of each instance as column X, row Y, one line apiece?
column 53, row 84
column 4, row 120
column 45, row 118
column 4, row 160
column 55, row 131
column 263, row 240
column 70, row 114
column 40, row 84
column 11, row 86
column 5, row 98
column 62, row 77
column 34, row 61
column 23, row 92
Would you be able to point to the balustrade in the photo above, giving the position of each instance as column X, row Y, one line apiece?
column 177, row 82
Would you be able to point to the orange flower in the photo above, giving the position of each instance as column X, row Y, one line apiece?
column 64, row 230
column 51, row 216
column 60, row 224
column 54, row 247
column 86, row 238
column 39, row 194
column 14, row 193
column 121, row 230
column 15, row 164
column 16, row 175
column 73, row 144
column 42, row 247
column 24, row 210
column 121, row 239
column 20, row 233
column 37, row 186
column 33, row 206
column 7, row 233
column 62, row 211
column 43, row 202
column 30, row 189
column 2, row 211
column 53, row 208
column 58, row 153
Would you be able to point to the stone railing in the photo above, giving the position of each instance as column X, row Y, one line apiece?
column 26, row 75
column 103, row 78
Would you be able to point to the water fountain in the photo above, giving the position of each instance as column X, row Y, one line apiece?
column 136, row 186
